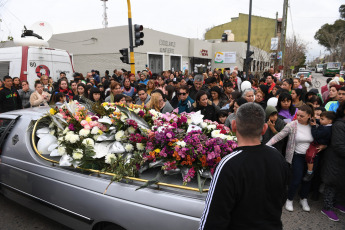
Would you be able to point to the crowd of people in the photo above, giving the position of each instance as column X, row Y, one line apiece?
column 306, row 126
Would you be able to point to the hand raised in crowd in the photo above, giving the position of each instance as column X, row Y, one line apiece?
column 271, row 124
column 312, row 122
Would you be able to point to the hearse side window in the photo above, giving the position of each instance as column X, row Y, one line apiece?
column 5, row 127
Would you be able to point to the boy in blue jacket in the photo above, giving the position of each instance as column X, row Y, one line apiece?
column 322, row 136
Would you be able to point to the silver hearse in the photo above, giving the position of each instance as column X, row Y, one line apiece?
column 81, row 199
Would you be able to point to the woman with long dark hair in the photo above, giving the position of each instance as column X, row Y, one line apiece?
column 285, row 108
column 299, row 139
column 207, row 108
column 296, row 95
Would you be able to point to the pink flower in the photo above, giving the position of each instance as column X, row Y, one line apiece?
column 83, row 122
column 93, row 123
column 169, row 135
column 87, row 127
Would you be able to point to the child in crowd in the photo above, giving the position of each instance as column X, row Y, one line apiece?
column 322, row 136
column 59, row 99
column 222, row 115
column 95, row 95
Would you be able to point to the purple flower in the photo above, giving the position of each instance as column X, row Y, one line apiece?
column 71, row 127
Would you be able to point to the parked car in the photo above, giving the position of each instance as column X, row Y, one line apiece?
column 342, row 73
column 85, row 199
column 306, row 74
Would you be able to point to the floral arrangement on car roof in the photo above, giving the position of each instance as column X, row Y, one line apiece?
column 126, row 140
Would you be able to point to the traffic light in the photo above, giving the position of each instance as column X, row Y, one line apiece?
column 248, row 58
column 138, row 35
column 124, row 53
column 224, row 37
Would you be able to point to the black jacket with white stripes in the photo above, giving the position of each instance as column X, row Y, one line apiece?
column 248, row 190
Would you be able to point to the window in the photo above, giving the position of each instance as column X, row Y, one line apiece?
column 5, row 127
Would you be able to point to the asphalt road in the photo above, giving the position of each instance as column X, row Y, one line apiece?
column 15, row 217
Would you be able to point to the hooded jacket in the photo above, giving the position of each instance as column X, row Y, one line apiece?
column 9, row 100
column 333, row 171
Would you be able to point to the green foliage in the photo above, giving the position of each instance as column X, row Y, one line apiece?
column 342, row 11
column 331, row 35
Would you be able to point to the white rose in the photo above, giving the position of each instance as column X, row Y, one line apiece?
column 119, row 135
column 84, row 132
column 131, row 130
column 94, row 130
column 203, row 125
column 61, row 150
column 181, row 143
column 88, row 142
column 74, row 138
column 215, row 133
column 109, row 157
column 129, row 147
column 140, row 146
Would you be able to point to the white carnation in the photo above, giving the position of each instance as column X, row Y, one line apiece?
column 66, row 130
column 61, row 150
column 140, row 146
column 88, row 142
column 181, row 143
column 129, row 147
column 74, row 138
column 131, row 130
column 203, row 125
column 77, row 154
column 123, row 117
column 94, row 130
column 109, row 157
column 215, row 133
column 84, row 132
column 211, row 127
column 119, row 135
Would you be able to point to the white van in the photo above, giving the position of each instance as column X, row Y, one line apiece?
column 30, row 63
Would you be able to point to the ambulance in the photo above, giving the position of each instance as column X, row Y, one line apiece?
column 30, row 57
column 30, row 63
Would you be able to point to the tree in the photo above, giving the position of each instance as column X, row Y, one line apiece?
column 332, row 37
column 342, row 11
column 295, row 54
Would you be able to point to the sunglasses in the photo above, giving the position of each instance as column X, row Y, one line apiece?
column 184, row 94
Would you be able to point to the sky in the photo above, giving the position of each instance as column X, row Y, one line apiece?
column 187, row 18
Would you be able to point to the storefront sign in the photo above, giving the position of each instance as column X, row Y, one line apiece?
column 225, row 57
column 204, row 52
column 168, row 46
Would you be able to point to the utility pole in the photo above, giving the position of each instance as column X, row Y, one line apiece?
column 283, row 33
column 131, row 47
column 249, row 53
column 105, row 17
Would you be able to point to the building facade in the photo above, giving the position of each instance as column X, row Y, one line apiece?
column 262, row 30
column 99, row 49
